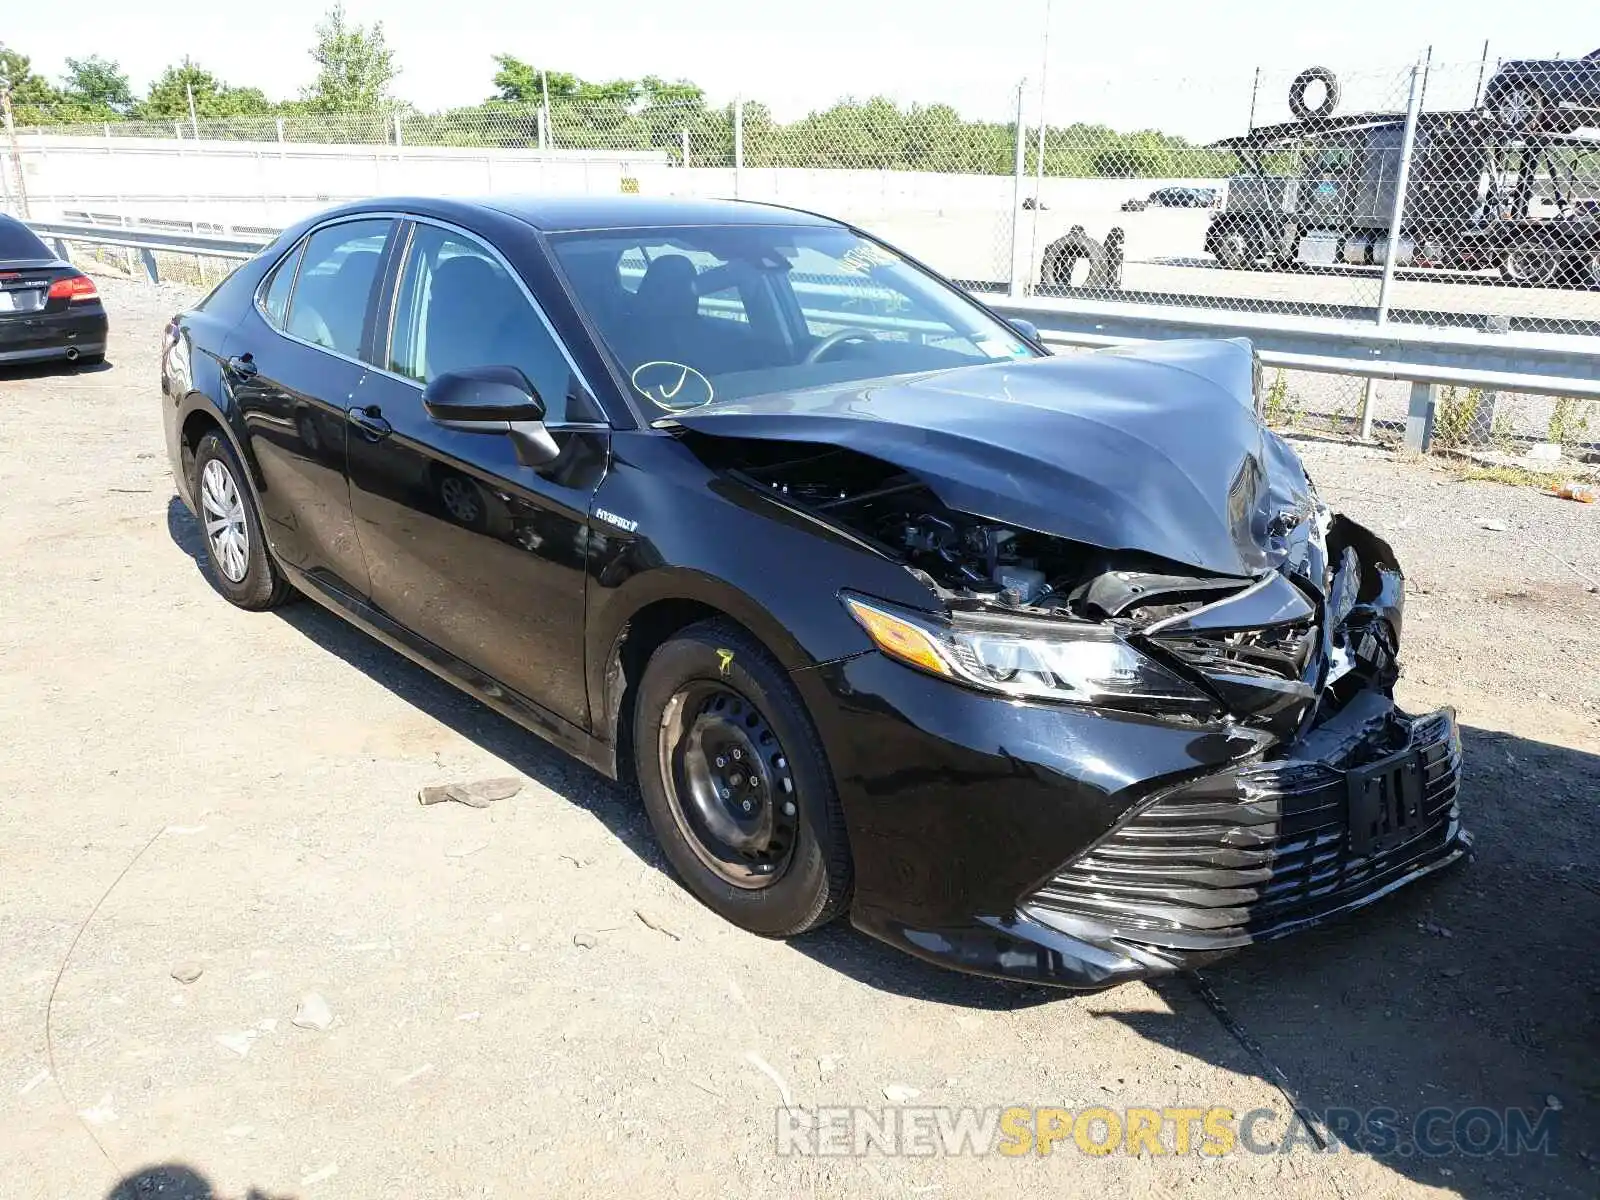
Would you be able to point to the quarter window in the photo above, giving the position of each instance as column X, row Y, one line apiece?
column 275, row 300
column 334, row 291
column 458, row 307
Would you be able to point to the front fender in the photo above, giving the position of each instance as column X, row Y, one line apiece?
column 702, row 538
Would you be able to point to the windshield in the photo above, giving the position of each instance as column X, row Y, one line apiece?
column 702, row 313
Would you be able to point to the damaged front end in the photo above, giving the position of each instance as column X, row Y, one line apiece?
column 1198, row 585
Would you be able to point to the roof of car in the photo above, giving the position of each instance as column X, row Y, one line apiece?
column 560, row 213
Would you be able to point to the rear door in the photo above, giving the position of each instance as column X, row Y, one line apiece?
column 293, row 365
column 481, row 556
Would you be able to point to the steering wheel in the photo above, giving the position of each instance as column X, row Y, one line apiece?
column 837, row 338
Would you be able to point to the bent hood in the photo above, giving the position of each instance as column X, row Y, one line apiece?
column 1154, row 448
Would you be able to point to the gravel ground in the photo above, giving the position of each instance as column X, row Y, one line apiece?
column 523, row 1002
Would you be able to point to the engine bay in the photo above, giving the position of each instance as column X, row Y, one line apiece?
column 968, row 562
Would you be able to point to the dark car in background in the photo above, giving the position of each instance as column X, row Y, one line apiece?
column 1047, row 668
column 49, row 310
column 1173, row 197
column 1557, row 94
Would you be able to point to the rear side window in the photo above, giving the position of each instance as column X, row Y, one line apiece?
column 18, row 241
column 334, row 289
column 275, row 299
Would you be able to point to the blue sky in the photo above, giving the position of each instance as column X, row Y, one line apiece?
column 1182, row 65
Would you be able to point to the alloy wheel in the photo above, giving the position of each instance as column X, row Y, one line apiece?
column 728, row 784
column 223, row 512
column 1520, row 109
column 460, row 499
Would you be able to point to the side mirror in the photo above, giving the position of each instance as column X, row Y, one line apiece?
column 493, row 400
column 1026, row 328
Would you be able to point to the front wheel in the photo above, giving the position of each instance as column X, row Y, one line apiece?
column 737, row 785
column 1521, row 107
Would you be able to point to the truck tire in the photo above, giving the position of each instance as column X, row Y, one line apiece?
column 1236, row 250
column 1524, row 267
column 1302, row 84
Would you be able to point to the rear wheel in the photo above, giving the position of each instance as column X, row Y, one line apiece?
column 235, row 549
column 736, row 783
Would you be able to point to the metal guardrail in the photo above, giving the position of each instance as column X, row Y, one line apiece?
column 147, row 242
column 1546, row 364
column 1543, row 364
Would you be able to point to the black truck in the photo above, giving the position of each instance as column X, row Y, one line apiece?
column 1320, row 192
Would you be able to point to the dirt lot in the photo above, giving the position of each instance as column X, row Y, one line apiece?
column 524, row 1003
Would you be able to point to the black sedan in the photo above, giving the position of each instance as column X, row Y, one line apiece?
column 1048, row 668
column 1559, row 94
column 49, row 310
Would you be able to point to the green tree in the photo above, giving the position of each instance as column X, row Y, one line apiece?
column 518, row 81
column 169, row 96
column 33, row 100
column 355, row 66
column 97, row 83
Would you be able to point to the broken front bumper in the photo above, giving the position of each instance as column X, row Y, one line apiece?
column 1366, row 803
column 1086, row 848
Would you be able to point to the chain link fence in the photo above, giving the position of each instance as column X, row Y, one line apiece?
column 1443, row 195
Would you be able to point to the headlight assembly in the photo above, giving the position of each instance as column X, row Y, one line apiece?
column 1070, row 661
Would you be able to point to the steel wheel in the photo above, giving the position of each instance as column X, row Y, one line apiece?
column 1235, row 252
column 460, row 499
column 728, row 784
column 1531, row 268
column 223, row 512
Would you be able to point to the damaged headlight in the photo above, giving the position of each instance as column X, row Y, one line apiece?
column 1076, row 662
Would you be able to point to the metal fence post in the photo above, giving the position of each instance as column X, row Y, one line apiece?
column 686, row 147
column 1419, row 418
column 1396, row 223
column 280, row 130
column 1018, row 269
column 738, row 145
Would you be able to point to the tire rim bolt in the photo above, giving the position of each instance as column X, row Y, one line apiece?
column 721, row 761
column 724, row 793
column 788, row 808
column 747, row 806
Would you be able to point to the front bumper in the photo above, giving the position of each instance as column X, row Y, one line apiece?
column 1087, row 848
column 43, row 337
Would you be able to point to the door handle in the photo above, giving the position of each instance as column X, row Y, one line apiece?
column 243, row 365
column 370, row 421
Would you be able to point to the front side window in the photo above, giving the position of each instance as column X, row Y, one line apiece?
column 701, row 313
column 334, row 288
column 459, row 307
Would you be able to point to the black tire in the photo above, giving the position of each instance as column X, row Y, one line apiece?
column 1302, row 83
column 812, row 884
column 261, row 585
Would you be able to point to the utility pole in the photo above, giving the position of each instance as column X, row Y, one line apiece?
column 16, row 149
column 1044, row 95
column 544, row 93
column 194, row 124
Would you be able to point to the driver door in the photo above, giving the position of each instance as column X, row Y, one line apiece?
column 477, row 554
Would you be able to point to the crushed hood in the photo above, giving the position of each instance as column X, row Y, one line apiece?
column 1154, row 448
